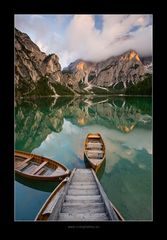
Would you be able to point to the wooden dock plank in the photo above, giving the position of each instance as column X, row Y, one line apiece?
column 83, row 183
column 84, row 208
column 82, row 199
column 80, row 192
column 88, row 186
column 89, row 204
column 96, row 198
column 83, row 217
column 83, row 179
column 84, row 174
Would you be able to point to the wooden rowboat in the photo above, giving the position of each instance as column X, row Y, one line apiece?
column 94, row 150
column 36, row 167
column 78, row 202
column 50, row 203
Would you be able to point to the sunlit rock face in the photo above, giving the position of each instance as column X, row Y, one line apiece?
column 31, row 65
column 120, row 69
column 80, row 66
column 77, row 74
column 131, row 55
column 52, row 67
column 28, row 59
column 114, row 72
column 37, row 74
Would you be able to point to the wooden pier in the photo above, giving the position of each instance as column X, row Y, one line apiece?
column 82, row 199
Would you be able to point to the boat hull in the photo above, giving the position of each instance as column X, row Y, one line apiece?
column 47, row 178
column 44, row 213
column 39, row 159
column 54, row 204
column 95, row 165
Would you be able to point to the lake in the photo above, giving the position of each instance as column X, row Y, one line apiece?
column 57, row 128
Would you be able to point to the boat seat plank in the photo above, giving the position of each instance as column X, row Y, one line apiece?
column 93, row 136
column 40, row 171
column 21, row 165
column 95, row 151
column 20, row 168
column 93, row 140
column 94, row 145
column 39, row 167
column 95, row 154
column 95, row 161
column 29, row 168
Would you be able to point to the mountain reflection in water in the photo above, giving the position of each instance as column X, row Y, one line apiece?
column 57, row 128
column 35, row 121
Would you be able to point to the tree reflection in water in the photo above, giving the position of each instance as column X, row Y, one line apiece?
column 36, row 119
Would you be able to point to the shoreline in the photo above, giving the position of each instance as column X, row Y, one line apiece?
column 86, row 95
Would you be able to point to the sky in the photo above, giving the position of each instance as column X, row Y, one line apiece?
column 88, row 37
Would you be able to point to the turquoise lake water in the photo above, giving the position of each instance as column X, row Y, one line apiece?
column 57, row 128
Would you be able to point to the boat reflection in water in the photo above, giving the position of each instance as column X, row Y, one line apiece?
column 37, row 184
column 57, row 128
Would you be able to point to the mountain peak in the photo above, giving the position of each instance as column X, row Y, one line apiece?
column 134, row 54
column 80, row 66
column 129, row 55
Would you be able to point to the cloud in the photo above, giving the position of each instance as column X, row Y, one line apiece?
column 34, row 25
column 47, row 31
column 119, row 33
column 77, row 36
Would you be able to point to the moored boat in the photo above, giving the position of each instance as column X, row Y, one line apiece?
column 94, row 150
column 79, row 197
column 48, row 206
column 37, row 167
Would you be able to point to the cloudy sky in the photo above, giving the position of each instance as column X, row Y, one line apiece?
column 89, row 37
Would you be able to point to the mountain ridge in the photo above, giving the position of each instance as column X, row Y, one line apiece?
column 38, row 74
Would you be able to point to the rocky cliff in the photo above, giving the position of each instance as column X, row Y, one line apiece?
column 35, row 72
column 120, row 69
column 115, row 73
